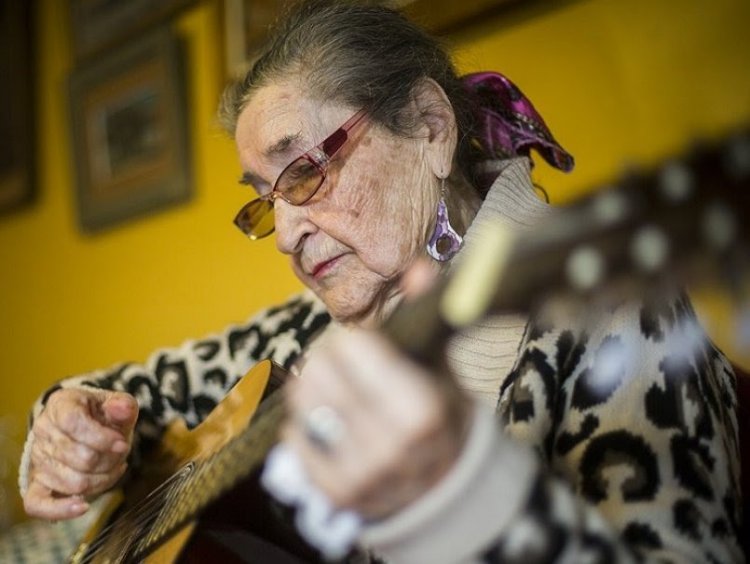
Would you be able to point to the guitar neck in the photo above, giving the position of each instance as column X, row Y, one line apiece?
column 679, row 223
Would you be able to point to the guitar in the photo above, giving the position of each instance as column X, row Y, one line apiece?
column 683, row 219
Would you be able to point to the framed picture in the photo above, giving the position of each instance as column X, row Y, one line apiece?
column 246, row 25
column 17, row 182
column 99, row 24
column 246, row 22
column 129, row 126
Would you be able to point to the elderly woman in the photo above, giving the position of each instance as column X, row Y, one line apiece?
column 368, row 155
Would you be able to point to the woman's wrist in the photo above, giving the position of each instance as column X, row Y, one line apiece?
column 474, row 501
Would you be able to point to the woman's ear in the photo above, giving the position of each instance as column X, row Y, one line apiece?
column 437, row 120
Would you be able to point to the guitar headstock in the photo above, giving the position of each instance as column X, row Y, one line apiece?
column 675, row 220
column 683, row 221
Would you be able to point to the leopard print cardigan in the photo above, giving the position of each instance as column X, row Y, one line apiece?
column 638, row 463
column 189, row 381
column 637, row 417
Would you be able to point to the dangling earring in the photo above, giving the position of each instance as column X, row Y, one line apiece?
column 445, row 242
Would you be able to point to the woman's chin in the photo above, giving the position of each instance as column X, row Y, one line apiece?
column 348, row 313
column 367, row 312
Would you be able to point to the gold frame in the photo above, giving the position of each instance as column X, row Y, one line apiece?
column 130, row 138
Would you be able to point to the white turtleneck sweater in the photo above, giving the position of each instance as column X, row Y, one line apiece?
column 483, row 353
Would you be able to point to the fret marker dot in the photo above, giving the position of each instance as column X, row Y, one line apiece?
column 584, row 268
column 737, row 162
column 676, row 182
column 610, row 207
column 649, row 248
column 719, row 226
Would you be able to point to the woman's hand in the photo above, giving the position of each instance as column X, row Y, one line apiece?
column 81, row 442
column 374, row 431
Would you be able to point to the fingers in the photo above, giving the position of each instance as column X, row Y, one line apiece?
column 392, row 388
column 349, row 471
column 66, row 481
column 120, row 412
column 39, row 502
column 400, row 431
column 81, row 443
column 53, row 444
column 78, row 414
column 69, row 434
column 419, row 278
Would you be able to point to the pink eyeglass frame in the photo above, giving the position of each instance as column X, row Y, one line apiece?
column 319, row 156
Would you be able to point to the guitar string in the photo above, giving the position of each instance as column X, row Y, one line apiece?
column 142, row 513
column 125, row 521
column 212, row 477
column 137, row 517
column 246, row 447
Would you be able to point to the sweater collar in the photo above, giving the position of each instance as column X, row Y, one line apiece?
column 511, row 201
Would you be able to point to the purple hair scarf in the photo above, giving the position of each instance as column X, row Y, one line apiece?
column 508, row 123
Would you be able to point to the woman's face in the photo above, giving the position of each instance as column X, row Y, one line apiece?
column 369, row 220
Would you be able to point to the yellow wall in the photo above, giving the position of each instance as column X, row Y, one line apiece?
column 617, row 80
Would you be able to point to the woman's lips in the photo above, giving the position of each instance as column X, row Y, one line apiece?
column 322, row 268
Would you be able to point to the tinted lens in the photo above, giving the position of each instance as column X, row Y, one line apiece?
column 256, row 219
column 299, row 181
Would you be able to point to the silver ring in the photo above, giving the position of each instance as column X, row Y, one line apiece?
column 324, row 427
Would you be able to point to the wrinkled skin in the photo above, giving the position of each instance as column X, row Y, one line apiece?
column 81, row 443
column 373, row 215
column 369, row 220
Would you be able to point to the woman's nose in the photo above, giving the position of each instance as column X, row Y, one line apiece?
column 292, row 226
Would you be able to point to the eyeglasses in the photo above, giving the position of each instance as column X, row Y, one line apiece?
column 296, row 184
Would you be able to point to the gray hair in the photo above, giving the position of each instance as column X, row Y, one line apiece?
column 358, row 54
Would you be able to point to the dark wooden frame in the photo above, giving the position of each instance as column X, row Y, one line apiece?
column 246, row 24
column 130, row 133
column 451, row 16
column 97, row 25
column 17, row 97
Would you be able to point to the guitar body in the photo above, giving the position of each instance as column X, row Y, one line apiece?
column 178, row 447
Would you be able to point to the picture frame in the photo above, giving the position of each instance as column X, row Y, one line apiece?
column 246, row 22
column 17, row 121
column 448, row 16
column 129, row 127
column 97, row 25
column 246, row 25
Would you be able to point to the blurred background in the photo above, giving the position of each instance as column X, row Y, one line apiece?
column 117, row 188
